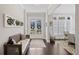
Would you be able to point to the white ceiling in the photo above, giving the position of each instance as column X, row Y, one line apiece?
column 50, row 8
column 39, row 6
column 36, row 6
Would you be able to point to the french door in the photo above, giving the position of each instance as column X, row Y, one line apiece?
column 36, row 25
column 61, row 23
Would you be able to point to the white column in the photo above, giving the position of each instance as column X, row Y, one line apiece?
column 47, row 28
column 26, row 22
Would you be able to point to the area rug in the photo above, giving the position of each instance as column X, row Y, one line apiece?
column 37, row 43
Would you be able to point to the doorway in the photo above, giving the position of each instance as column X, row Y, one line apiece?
column 36, row 25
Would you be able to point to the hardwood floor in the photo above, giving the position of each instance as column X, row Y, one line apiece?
column 50, row 49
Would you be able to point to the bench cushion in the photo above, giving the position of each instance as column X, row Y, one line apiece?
column 24, row 44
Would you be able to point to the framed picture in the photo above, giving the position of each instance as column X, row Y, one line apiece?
column 9, row 21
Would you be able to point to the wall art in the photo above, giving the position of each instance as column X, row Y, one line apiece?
column 12, row 22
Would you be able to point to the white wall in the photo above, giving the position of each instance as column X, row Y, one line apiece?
column 15, row 11
column 77, row 28
column 65, row 8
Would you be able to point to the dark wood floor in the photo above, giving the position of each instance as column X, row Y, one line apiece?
column 50, row 49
